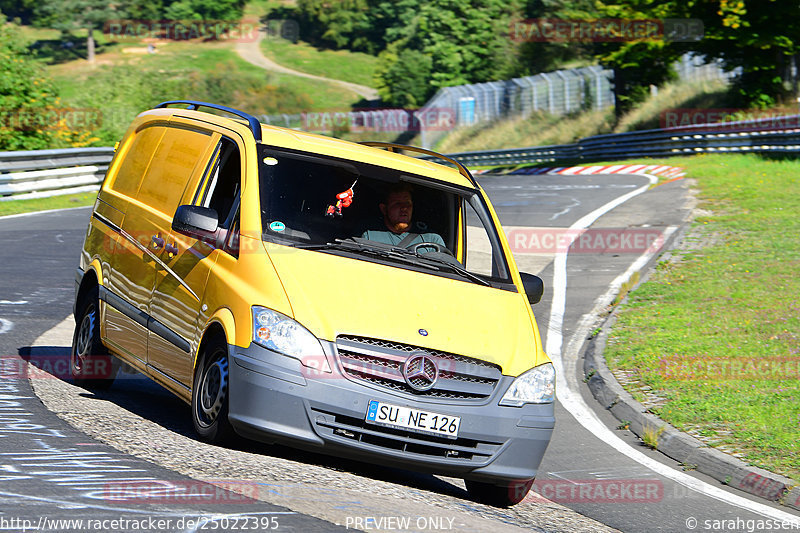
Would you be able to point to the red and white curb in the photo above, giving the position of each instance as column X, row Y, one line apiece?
column 665, row 171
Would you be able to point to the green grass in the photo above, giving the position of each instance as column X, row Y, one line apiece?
column 539, row 129
column 344, row 65
column 729, row 297
column 14, row 207
column 124, row 84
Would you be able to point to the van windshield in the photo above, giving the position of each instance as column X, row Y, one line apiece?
column 377, row 214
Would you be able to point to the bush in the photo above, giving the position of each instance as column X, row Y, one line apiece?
column 27, row 97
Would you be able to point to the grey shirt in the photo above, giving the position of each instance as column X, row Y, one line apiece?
column 389, row 237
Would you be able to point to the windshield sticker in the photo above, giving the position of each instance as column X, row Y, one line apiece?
column 270, row 161
column 277, row 226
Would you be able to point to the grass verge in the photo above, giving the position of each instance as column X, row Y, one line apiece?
column 355, row 67
column 124, row 84
column 714, row 331
column 15, row 207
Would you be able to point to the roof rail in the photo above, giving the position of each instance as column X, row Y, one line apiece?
column 393, row 147
column 255, row 125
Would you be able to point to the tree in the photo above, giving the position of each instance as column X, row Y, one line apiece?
column 466, row 42
column 540, row 55
column 89, row 15
column 638, row 63
column 763, row 38
column 405, row 76
column 24, row 10
column 225, row 10
column 27, row 97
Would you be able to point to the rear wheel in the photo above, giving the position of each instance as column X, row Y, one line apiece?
column 504, row 495
column 90, row 364
column 210, row 393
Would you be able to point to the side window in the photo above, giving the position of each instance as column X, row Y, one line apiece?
column 479, row 248
column 179, row 151
column 137, row 159
column 221, row 188
column 483, row 256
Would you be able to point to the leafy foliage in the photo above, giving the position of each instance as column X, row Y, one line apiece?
column 763, row 38
column 204, row 10
column 464, row 43
column 27, row 98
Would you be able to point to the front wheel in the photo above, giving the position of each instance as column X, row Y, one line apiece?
column 90, row 364
column 504, row 495
column 210, row 393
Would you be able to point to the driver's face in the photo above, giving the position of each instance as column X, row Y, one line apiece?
column 397, row 211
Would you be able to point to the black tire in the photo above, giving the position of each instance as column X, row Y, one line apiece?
column 499, row 495
column 210, row 393
column 90, row 364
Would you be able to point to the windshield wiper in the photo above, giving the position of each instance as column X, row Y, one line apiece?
column 456, row 268
column 401, row 255
column 396, row 254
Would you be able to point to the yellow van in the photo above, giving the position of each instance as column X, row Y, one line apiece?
column 305, row 290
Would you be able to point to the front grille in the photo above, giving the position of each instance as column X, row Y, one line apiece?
column 381, row 362
column 460, row 450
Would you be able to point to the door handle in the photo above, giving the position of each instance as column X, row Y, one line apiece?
column 158, row 242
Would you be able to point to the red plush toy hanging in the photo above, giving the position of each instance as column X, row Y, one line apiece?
column 343, row 199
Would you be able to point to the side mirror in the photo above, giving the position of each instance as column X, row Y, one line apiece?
column 534, row 286
column 195, row 221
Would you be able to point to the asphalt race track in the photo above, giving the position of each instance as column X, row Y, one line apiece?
column 51, row 469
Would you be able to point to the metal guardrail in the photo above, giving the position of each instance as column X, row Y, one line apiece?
column 32, row 174
column 42, row 173
column 775, row 135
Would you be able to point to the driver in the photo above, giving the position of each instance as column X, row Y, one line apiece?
column 397, row 207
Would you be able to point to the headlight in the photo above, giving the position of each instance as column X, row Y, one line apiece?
column 537, row 385
column 280, row 333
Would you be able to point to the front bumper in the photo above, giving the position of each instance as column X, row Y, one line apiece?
column 273, row 398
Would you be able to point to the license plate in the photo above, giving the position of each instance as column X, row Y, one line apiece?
column 396, row 416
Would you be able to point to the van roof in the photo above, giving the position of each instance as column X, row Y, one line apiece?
column 320, row 144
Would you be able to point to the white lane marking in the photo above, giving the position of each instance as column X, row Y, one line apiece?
column 15, row 302
column 567, row 388
column 554, row 333
column 34, row 213
column 5, row 325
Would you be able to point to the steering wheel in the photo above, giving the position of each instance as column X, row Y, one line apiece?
column 435, row 245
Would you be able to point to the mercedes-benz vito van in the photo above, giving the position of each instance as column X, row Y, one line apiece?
column 304, row 290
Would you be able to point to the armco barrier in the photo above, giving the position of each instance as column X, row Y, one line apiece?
column 774, row 135
column 40, row 173
column 51, row 172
